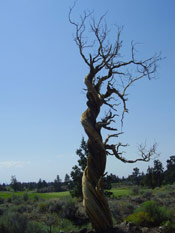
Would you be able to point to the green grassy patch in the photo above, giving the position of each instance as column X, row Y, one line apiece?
column 31, row 195
column 52, row 195
column 117, row 192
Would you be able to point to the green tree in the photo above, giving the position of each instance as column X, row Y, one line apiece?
column 158, row 173
column 68, row 184
column 42, row 185
column 107, row 182
column 170, row 172
column 148, row 179
column 154, row 176
column 77, row 170
column 57, row 184
column 16, row 186
column 136, row 176
column 67, row 178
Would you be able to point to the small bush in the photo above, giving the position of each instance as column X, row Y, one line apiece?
column 120, row 209
column 43, row 207
column 149, row 214
column 21, row 209
column 51, row 220
column 115, row 209
column 13, row 223
column 3, row 228
column 16, row 200
column 147, row 194
column 1, row 212
column 9, row 200
column 35, row 227
column 1, row 200
column 55, row 206
column 17, row 223
column 68, row 210
column 135, row 190
column 141, row 219
column 169, row 227
column 36, row 198
column 25, row 197
column 67, row 226
column 108, row 194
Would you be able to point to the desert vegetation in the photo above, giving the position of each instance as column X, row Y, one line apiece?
column 132, row 206
column 138, row 203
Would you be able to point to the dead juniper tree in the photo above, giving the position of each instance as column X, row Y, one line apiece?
column 107, row 82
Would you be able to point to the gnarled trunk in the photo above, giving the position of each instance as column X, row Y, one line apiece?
column 95, row 204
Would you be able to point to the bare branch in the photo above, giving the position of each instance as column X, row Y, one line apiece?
column 112, row 90
column 111, row 136
column 103, row 79
column 80, row 29
column 145, row 156
column 107, row 120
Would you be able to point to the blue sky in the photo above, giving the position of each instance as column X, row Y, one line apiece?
column 41, row 84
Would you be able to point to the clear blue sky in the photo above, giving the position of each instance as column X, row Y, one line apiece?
column 41, row 85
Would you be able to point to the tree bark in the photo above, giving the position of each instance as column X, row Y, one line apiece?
column 95, row 203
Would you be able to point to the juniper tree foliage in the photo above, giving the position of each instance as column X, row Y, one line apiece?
column 155, row 175
column 77, row 170
column 170, row 172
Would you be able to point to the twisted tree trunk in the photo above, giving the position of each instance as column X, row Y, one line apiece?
column 95, row 204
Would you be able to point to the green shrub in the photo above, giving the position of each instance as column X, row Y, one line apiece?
column 135, row 190
column 43, row 207
column 147, row 194
column 3, row 228
column 141, row 219
column 169, row 227
column 35, row 227
column 9, row 200
column 13, row 223
column 21, row 209
column 25, row 197
column 36, row 198
column 16, row 200
column 51, row 220
column 108, row 194
column 161, row 194
column 1, row 212
column 1, row 200
column 17, row 223
column 66, row 225
column 149, row 214
column 69, row 210
column 55, row 206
